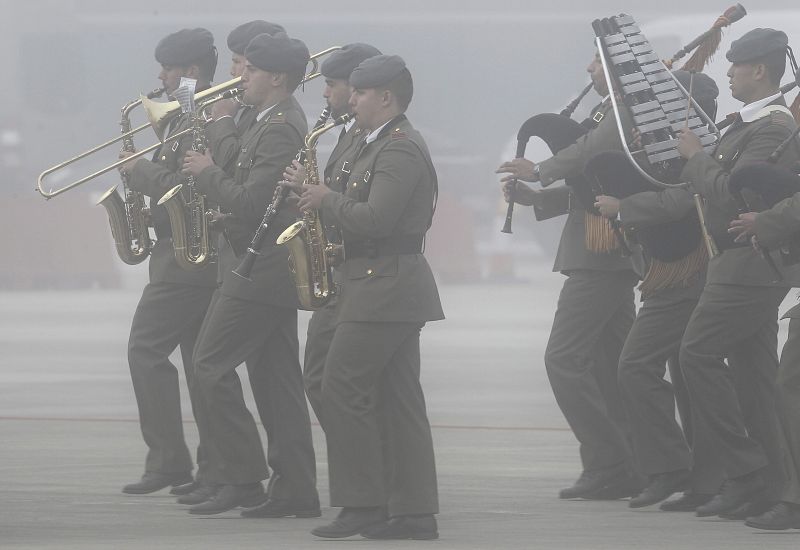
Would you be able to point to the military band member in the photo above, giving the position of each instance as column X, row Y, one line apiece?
column 595, row 312
column 773, row 228
column 244, row 315
column 736, row 316
column 661, row 448
column 230, row 119
column 336, row 70
column 174, row 302
column 371, row 393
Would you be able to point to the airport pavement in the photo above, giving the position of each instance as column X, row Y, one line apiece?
column 69, row 439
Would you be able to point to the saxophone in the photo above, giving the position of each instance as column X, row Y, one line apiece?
column 310, row 255
column 191, row 240
column 128, row 217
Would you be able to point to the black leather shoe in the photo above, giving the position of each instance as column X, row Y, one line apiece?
column 201, row 494
column 351, row 521
column 592, row 481
column 624, row 486
column 274, row 508
column 748, row 510
column 662, row 486
column 421, row 527
column 733, row 494
column 686, row 503
column 229, row 497
column 154, row 481
column 782, row 516
column 185, row 489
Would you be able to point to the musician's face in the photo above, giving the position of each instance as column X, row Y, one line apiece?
column 595, row 70
column 257, row 85
column 170, row 77
column 745, row 81
column 238, row 62
column 337, row 93
column 369, row 106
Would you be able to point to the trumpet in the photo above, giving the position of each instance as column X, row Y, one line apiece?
column 159, row 116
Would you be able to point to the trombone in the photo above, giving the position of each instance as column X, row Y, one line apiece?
column 159, row 116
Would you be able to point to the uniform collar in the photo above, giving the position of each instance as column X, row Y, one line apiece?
column 264, row 113
column 755, row 110
column 373, row 135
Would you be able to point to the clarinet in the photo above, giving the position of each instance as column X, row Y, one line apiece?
column 254, row 250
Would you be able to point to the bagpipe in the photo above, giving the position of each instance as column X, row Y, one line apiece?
column 660, row 106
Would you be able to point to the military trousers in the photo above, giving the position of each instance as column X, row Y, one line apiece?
column 321, row 328
column 660, row 445
column 168, row 316
column 237, row 331
column 788, row 392
column 380, row 450
column 595, row 312
column 733, row 404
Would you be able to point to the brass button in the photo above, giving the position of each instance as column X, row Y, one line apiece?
column 720, row 157
column 163, row 157
column 239, row 164
column 369, row 272
column 279, row 114
column 355, row 184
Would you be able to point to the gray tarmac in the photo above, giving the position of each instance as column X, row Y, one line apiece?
column 69, row 439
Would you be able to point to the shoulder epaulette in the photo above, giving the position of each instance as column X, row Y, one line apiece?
column 277, row 118
column 397, row 133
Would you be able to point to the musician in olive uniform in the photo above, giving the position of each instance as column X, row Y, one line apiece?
column 736, row 317
column 244, row 314
column 336, row 69
column 229, row 121
column 595, row 311
column 230, row 118
column 772, row 229
column 371, row 395
column 174, row 302
column 669, row 293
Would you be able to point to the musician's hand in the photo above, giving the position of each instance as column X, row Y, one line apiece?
column 743, row 227
column 128, row 166
column 296, row 173
column 520, row 168
column 689, row 144
column 608, row 206
column 523, row 194
column 194, row 162
column 216, row 220
column 312, row 196
column 225, row 107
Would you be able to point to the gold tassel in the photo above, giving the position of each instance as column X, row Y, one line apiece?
column 703, row 53
column 675, row 274
column 600, row 237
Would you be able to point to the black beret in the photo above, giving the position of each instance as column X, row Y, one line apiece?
column 704, row 89
column 376, row 71
column 756, row 44
column 185, row 47
column 341, row 63
column 240, row 37
column 277, row 54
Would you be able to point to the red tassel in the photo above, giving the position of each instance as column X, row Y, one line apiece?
column 703, row 53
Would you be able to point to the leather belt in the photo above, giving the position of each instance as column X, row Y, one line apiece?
column 391, row 246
